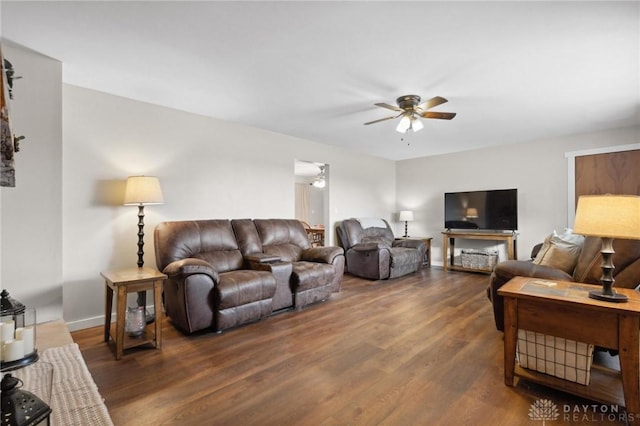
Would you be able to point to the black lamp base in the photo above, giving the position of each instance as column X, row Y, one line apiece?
column 614, row 297
column 607, row 293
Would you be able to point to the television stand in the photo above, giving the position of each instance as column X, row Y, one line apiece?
column 449, row 245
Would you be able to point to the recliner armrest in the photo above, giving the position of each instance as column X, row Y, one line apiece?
column 364, row 247
column 408, row 243
column 322, row 254
column 190, row 266
column 262, row 258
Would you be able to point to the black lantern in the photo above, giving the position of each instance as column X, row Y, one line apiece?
column 17, row 327
column 10, row 307
column 22, row 408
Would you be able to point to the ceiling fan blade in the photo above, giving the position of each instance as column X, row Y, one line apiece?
column 387, row 106
column 381, row 119
column 438, row 100
column 440, row 115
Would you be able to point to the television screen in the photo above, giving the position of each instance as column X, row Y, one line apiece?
column 483, row 210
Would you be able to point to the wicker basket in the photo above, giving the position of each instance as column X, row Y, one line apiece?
column 563, row 358
column 483, row 260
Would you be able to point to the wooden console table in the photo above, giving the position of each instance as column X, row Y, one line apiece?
column 449, row 245
column 565, row 310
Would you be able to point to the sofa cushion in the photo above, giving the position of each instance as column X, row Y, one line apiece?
column 247, row 236
column 377, row 241
column 210, row 240
column 560, row 251
column 377, row 235
column 307, row 275
column 241, row 287
column 285, row 238
column 402, row 256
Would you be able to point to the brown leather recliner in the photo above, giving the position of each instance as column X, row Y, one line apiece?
column 374, row 253
column 207, row 283
column 588, row 270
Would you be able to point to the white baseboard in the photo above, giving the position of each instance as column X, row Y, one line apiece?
column 95, row 321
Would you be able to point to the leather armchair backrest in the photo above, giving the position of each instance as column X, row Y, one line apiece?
column 247, row 236
column 377, row 235
column 626, row 260
column 285, row 238
column 350, row 233
column 210, row 240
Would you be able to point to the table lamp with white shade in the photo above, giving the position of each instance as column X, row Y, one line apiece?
column 405, row 216
column 608, row 217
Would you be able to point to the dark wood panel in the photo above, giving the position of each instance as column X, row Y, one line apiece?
column 610, row 173
column 417, row 350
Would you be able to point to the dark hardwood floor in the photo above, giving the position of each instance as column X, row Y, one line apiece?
column 418, row 350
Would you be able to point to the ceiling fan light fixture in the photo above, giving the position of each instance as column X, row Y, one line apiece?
column 404, row 124
column 411, row 110
column 416, row 124
column 319, row 182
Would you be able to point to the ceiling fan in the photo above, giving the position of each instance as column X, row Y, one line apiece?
column 410, row 109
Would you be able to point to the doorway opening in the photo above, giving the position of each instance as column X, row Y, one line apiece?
column 311, row 198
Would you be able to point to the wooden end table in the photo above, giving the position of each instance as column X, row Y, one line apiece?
column 565, row 310
column 427, row 252
column 130, row 280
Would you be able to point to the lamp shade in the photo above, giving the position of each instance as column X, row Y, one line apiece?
column 319, row 182
column 404, row 124
column 143, row 190
column 472, row 212
column 611, row 216
column 405, row 216
column 416, row 124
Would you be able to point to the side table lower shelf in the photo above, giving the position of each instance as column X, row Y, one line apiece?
column 604, row 387
column 148, row 336
column 449, row 247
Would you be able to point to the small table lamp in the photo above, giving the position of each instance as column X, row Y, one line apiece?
column 405, row 216
column 142, row 191
column 608, row 217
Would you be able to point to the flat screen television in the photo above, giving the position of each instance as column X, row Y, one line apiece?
column 493, row 210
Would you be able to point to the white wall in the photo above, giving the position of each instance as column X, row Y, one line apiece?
column 31, row 213
column 208, row 169
column 64, row 223
column 538, row 169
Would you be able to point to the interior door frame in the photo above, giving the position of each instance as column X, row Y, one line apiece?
column 571, row 172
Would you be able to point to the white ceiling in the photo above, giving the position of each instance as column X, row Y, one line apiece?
column 512, row 71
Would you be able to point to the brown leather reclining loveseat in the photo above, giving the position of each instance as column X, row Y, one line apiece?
column 587, row 270
column 223, row 273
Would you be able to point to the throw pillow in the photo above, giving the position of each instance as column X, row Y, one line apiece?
column 560, row 251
